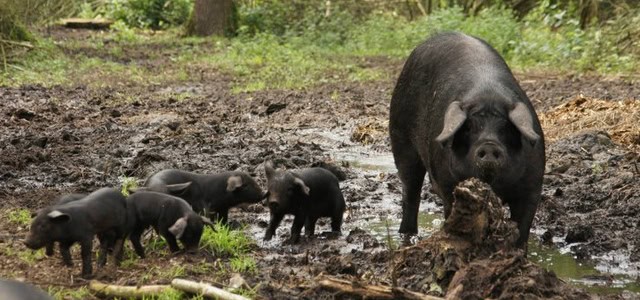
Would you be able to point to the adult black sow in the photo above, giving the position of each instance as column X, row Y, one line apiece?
column 458, row 112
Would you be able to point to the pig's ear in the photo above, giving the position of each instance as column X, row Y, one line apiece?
column 178, row 188
column 57, row 216
column 233, row 183
column 520, row 116
column 453, row 120
column 305, row 189
column 177, row 229
column 268, row 170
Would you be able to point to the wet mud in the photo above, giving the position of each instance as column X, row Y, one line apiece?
column 63, row 139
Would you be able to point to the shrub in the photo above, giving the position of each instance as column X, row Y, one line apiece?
column 153, row 14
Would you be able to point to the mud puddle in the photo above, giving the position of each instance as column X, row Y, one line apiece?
column 597, row 278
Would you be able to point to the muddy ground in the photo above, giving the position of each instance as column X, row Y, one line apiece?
column 77, row 138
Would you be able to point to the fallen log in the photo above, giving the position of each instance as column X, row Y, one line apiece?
column 204, row 289
column 369, row 291
column 127, row 291
column 86, row 23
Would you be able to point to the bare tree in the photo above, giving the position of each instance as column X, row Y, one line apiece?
column 212, row 17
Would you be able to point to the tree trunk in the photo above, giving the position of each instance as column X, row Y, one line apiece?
column 211, row 17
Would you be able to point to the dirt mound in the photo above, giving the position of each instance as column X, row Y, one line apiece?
column 370, row 132
column 621, row 120
column 471, row 257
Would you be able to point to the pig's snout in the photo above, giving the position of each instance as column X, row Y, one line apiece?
column 490, row 155
column 31, row 244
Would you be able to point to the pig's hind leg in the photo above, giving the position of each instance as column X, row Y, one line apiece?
column 134, row 237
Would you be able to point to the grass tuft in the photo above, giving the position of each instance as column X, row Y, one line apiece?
column 224, row 242
column 19, row 216
column 243, row 264
column 127, row 183
column 65, row 293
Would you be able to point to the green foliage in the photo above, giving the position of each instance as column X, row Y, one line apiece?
column 173, row 272
column 156, row 244
column 11, row 28
column 265, row 62
column 243, row 264
column 560, row 44
column 124, row 33
column 153, row 14
column 29, row 257
column 295, row 44
column 248, row 293
column 389, row 35
column 65, row 293
column 167, row 294
column 127, row 183
column 19, row 216
column 224, row 242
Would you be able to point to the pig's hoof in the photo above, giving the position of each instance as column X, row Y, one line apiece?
column 332, row 234
column 293, row 240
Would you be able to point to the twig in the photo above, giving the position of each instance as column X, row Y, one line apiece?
column 127, row 291
column 421, row 8
column 204, row 289
column 21, row 44
column 4, row 58
column 371, row 291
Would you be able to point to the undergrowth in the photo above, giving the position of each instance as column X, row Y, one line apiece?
column 318, row 49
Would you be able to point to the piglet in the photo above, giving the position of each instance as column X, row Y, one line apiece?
column 215, row 193
column 308, row 194
column 170, row 216
column 62, row 200
column 102, row 213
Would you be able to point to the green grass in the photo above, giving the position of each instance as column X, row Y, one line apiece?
column 127, row 183
column 168, row 294
column 243, row 264
column 65, row 293
column 173, row 272
column 130, row 258
column 30, row 257
column 19, row 216
column 224, row 242
column 332, row 52
column 248, row 293
column 156, row 244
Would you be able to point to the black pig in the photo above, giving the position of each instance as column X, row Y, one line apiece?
column 102, row 213
column 207, row 193
column 62, row 200
column 307, row 194
column 16, row 290
column 170, row 216
column 458, row 112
